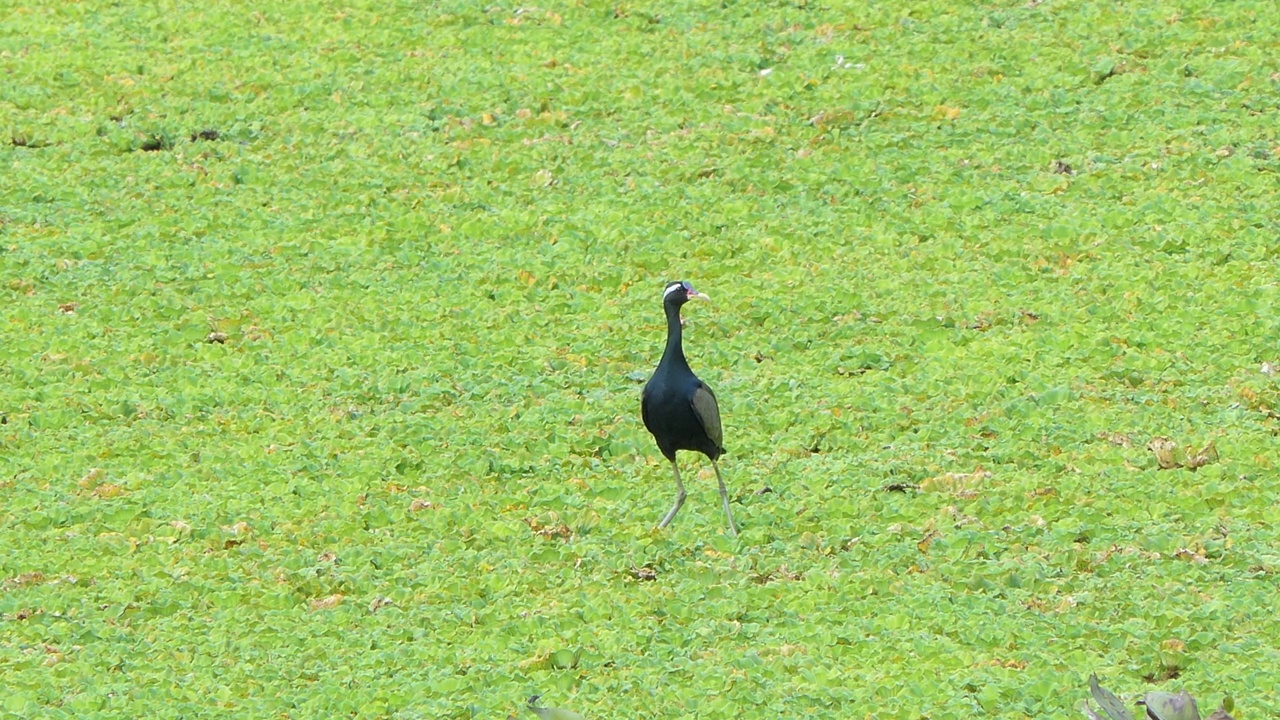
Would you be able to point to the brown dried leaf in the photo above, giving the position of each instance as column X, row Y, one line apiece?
column 946, row 112
column 1191, row 556
column 240, row 528
column 1165, row 451
column 90, row 479
column 1205, row 456
column 328, row 603
column 108, row 490
column 955, row 482
column 553, row 530
column 782, row 573
column 1115, row 438
column 27, row 578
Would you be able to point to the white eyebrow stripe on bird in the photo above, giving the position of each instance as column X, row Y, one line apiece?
column 673, row 286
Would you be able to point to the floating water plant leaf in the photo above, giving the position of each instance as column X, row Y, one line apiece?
column 1170, row 706
column 1110, row 704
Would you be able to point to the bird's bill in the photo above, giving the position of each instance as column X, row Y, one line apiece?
column 695, row 295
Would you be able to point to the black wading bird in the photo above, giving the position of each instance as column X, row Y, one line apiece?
column 678, row 408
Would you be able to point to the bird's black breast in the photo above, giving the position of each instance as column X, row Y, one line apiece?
column 668, row 411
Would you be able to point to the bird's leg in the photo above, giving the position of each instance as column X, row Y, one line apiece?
column 724, row 497
column 666, row 519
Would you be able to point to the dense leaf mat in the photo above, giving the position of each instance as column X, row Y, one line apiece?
column 324, row 325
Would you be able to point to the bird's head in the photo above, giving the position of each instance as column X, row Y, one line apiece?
column 680, row 292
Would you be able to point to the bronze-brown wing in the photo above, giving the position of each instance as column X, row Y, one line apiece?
column 708, row 412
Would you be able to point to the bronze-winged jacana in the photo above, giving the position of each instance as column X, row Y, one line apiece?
column 678, row 408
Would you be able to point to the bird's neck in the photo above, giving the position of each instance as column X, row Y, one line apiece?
column 674, row 354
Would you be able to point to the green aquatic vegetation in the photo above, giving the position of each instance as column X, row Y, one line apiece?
column 325, row 326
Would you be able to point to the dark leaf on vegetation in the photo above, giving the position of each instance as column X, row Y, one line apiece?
column 1107, row 702
column 154, row 143
column 206, row 134
column 857, row 362
column 900, row 487
column 1170, row 706
column 1106, row 70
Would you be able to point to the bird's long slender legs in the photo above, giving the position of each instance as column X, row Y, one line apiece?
column 724, row 497
column 666, row 519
